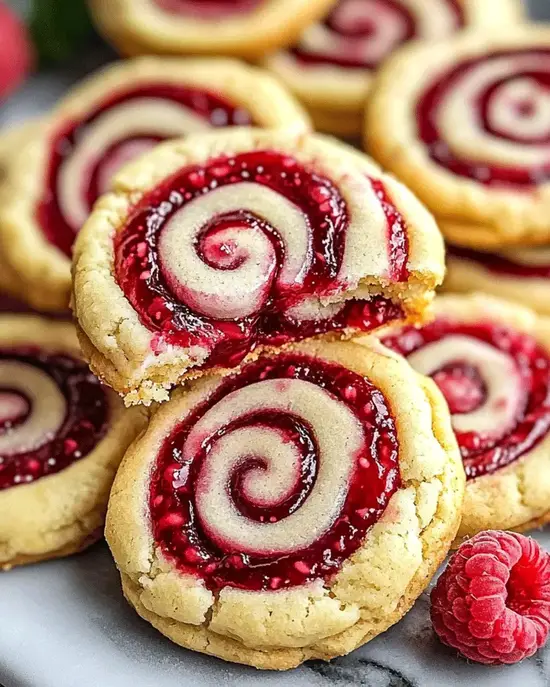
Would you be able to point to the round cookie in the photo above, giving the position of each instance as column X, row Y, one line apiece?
column 242, row 28
column 518, row 274
column 332, row 66
column 216, row 247
column 113, row 117
column 294, row 509
column 491, row 359
column 466, row 124
column 62, row 436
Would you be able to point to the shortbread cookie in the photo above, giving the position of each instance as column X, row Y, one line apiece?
column 113, row 117
column 466, row 125
column 243, row 28
column 491, row 360
column 11, row 140
column 62, row 436
column 518, row 274
column 215, row 247
column 332, row 66
column 292, row 510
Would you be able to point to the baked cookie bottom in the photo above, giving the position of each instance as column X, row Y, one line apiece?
column 74, row 547
column 465, row 275
column 339, row 123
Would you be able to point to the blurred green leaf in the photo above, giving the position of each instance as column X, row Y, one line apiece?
column 59, row 28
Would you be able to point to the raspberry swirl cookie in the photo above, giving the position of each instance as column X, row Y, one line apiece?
column 518, row 274
column 243, row 28
column 213, row 248
column 113, row 117
column 466, row 123
column 491, row 360
column 332, row 66
column 62, row 436
column 292, row 510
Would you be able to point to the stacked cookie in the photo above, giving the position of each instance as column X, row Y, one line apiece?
column 302, row 427
column 326, row 51
column 299, row 481
column 466, row 125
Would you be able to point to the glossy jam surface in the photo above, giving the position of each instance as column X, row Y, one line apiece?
column 499, row 264
column 208, row 9
column 215, row 110
column 139, row 269
column 461, row 383
column 84, row 425
column 434, row 99
column 462, row 386
column 356, row 29
column 374, row 478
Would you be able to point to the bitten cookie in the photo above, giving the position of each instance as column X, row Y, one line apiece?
column 292, row 510
column 242, row 28
column 518, row 274
column 62, row 436
column 112, row 118
column 465, row 124
column 331, row 68
column 214, row 248
column 491, row 360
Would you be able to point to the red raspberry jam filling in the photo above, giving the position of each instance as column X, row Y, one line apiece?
column 500, row 264
column 366, row 32
column 54, row 220
column 465, row 387
column 171, row 299
column 489, row 102
column 192, row 536
column 208, row 9
column 53, row 412
column 462, row 386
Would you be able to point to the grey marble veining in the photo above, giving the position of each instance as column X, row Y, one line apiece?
column 65, row 623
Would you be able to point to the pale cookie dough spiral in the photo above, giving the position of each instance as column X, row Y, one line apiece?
column 267, row 516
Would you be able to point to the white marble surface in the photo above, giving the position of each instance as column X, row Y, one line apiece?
column 65, row 623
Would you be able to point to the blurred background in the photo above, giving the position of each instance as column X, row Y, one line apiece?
column 67, row 48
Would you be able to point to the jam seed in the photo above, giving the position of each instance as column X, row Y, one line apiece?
column 302, row 567
column 350, row 393
column 69, row 445
column 275, row 582
column 171, row 520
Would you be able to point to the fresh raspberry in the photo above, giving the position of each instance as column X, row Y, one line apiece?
column 492, row 602
column 16, row 54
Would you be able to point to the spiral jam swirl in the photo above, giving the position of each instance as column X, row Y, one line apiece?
column 208, row 9
column 360, row 34
column 496, row 382
column 239, row 251
column 86, row 154
column 277, row 477
column 53, row 412
column 527, row 263
column 502, row 101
